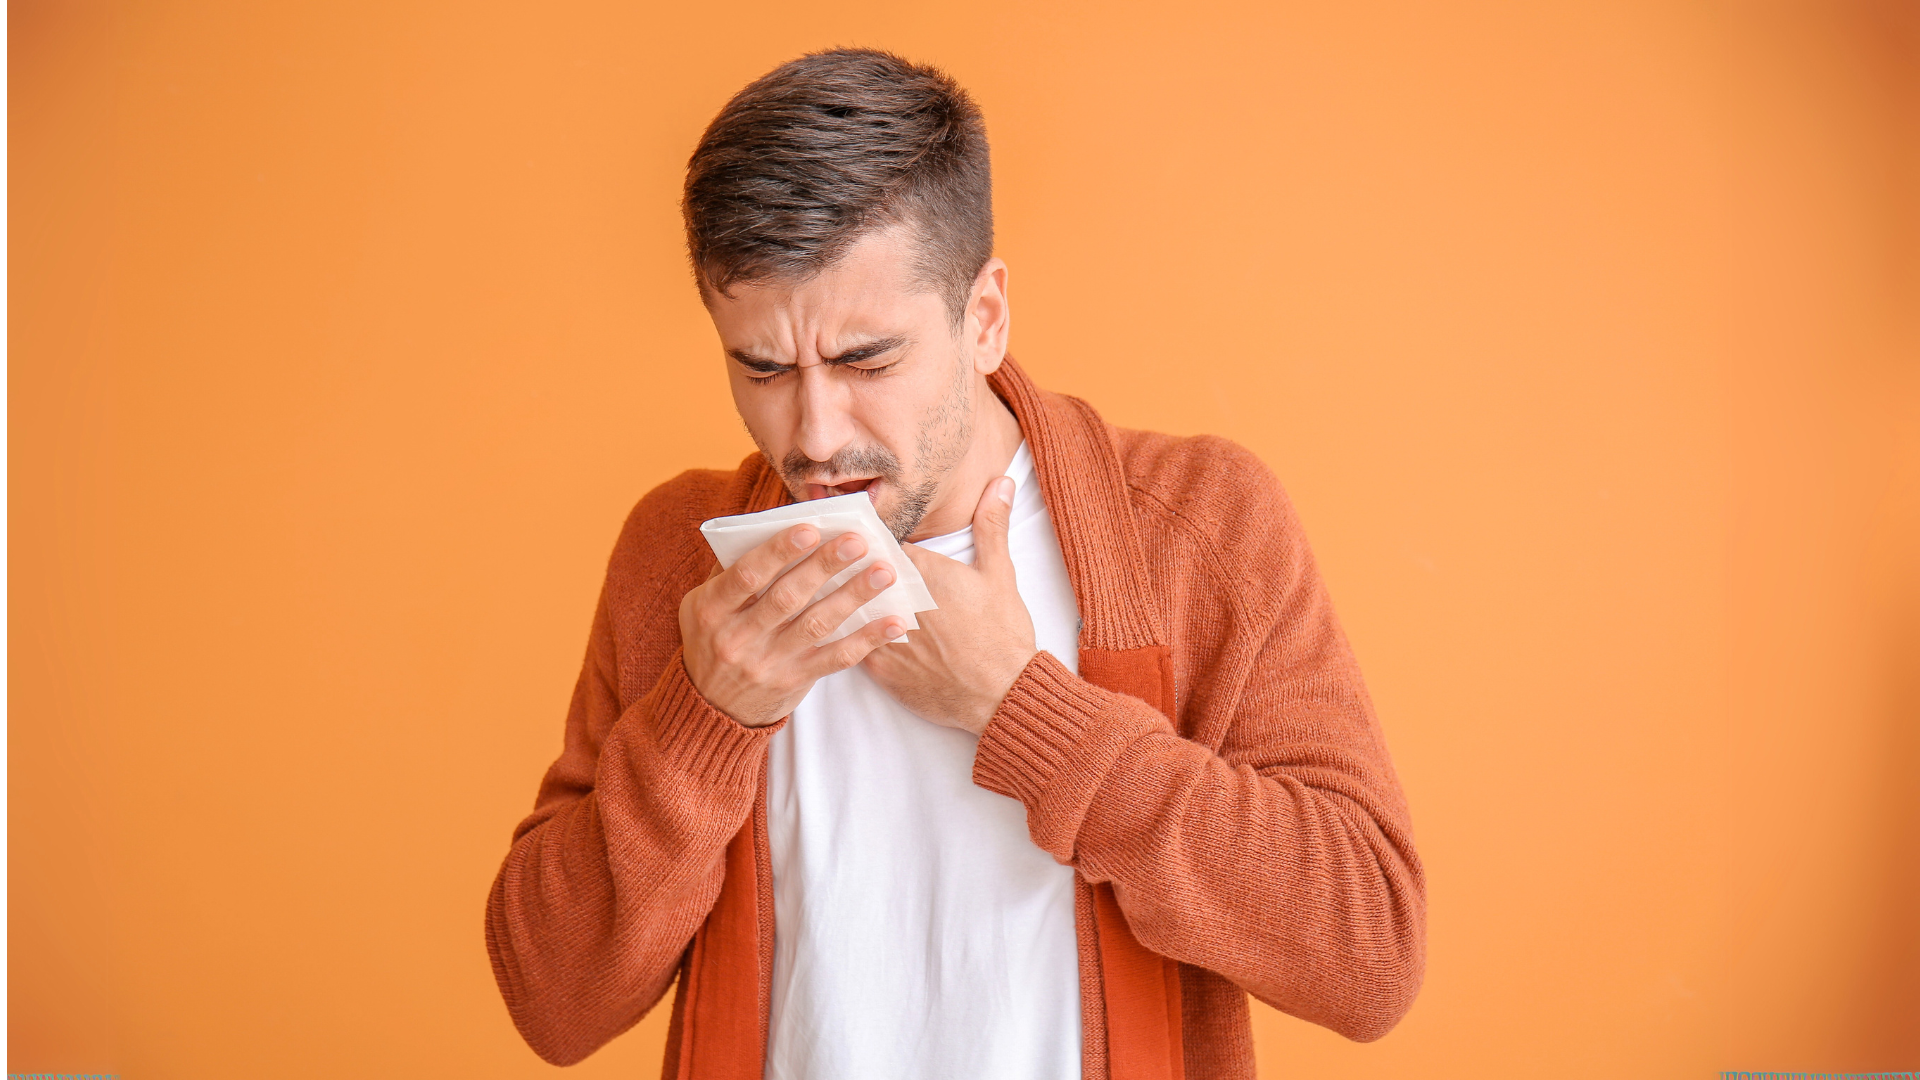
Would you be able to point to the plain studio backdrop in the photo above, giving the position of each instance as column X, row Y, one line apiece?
column 345, row 333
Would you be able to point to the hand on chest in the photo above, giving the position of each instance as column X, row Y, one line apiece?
column 1003, row 593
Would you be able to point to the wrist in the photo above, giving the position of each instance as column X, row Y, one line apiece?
column 719, row 696
column 755, row 721
column 990, row 703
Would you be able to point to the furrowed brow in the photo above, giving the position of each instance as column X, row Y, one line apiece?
column 865, row 352
column 757, row 363
column 855, row 355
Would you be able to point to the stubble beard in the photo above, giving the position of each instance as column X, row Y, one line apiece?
column 942, row 441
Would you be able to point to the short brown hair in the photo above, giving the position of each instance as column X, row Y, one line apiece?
column 823, row 149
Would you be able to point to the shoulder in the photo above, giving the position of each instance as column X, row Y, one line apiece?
column 1218, row 502
column 1213, row 484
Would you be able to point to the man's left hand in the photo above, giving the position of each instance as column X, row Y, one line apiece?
column 957, row 668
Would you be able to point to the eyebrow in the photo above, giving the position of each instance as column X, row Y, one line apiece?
column 854, row 355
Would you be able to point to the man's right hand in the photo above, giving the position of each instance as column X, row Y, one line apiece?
column 754, row 659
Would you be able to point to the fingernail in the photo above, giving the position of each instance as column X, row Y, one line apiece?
column 880, row 576
column 1004, row 489
column 803, row 537
column 850, row 546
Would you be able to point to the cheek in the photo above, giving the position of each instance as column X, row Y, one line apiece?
column 767, row 413
column 899, row 412
column 885, row 418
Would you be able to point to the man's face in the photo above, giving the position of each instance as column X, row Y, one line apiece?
column 855, row 379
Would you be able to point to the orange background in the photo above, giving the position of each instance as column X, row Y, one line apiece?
column 345, row 333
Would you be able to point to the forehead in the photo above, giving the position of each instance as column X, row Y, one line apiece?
column 870, row 292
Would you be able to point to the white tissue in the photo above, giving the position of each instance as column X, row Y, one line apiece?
column 732, row 537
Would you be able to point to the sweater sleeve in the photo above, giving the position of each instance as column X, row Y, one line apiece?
column 622, row 858
column 1283, row 861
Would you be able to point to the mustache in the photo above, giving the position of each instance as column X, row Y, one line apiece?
column 848, row 461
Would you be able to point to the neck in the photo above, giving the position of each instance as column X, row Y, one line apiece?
column 996, row 438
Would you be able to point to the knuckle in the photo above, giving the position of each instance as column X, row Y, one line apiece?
column 814, row 626
column 786, row 595
column 747, row 576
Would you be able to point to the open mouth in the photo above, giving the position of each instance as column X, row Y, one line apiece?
column 828, row 491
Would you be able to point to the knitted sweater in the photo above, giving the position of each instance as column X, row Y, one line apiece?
column 1214, row 775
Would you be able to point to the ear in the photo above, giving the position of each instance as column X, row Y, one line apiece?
column 988, row 317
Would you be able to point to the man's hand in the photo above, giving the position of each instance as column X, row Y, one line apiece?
column 754, row 659
column 957, row 668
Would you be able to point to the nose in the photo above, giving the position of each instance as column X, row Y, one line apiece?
column 826, row 422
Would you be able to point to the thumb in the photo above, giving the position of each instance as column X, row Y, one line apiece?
column 990, row 527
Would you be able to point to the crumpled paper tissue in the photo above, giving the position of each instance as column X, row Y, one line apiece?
column 732, row 537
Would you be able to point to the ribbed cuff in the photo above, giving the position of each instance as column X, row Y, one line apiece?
column 1051, row 745
column 700, row 739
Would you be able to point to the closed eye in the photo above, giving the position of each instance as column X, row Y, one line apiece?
column 759, row 368
column 864, row 372
column 762, row 370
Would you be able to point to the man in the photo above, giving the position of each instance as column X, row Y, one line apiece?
column 1125, row 775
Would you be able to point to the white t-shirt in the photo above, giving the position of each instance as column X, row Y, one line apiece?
column 919, row 933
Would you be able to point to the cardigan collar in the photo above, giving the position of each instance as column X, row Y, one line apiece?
column 1085, row 489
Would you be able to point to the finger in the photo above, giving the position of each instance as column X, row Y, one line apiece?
column 796, row 588
column 850, row 650
column 811, row 627
column 990, row 517
column 757, row 568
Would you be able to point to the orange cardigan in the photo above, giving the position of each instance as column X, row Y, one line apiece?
column 1214, row 775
